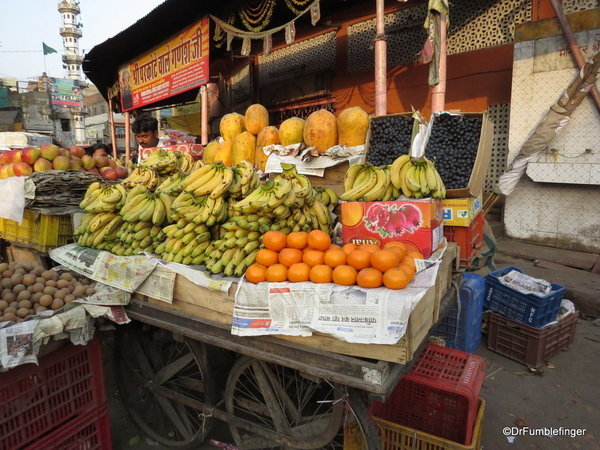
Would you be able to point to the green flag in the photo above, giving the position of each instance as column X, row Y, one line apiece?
column 47, row 49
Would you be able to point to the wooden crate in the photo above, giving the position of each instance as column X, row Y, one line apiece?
column 333, row 179
column 194, row 300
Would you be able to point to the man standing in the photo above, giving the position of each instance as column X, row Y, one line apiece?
column 145, row 129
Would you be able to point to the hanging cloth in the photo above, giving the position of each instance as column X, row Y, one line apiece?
column 267, row 44
column 315, row 13
column 290, row 33
column 246, row 46
column 431, row 50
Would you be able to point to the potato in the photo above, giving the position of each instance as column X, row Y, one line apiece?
column 35, row 297
column 29, row 279
column 25, row 304
column 17, row 278
column 3, row 267
column 23, row 296
column 90, row 291
column 23, row 312
column 51, row 283
column 3, row 305
column 28, row 267
column 8, row 317
column 40, row 309
column 62, row 283
column 20, row 271
column 9, row 297
column 38, row 271
column 57, row 304
column 46, row 300
column 6, row 283
column 8, row 273
column 69, row 298
column 79, row 291
column 47, row 275
column 50, row 290
column 10, row 309
column 62, row 293
column 4, row 292
column 18, row 288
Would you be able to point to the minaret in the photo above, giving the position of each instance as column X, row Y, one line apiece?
column 71, row 32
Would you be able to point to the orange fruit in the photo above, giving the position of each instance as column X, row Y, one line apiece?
column 334, row 258
column 289, row 256
column 334, row 247
column 297, row 239
column 319, row 240
column 371, row 248
column 298, row 272
column 313, row 257
column 410, row 261
column 256, row 273
column 410, row 270
column 393, row 244
column 344, row 275
column 267, row 257
column 359, row 259
column 396, row 278
column 397, row 247
column 274, row 240
column 415, row 254
column 276, row 273
column 383, row 260
column 369, row 278
column 349, row 247
column 321, row 274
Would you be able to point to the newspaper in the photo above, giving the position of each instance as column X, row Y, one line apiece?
column 315, row 167
column 122, row 272
column 348, row 313
column 17, row 345
column 159, row 285
column 525, row 284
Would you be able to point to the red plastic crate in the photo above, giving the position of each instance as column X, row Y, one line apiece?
column 90, row 431
column 469, row 239
column 438, row 396
column 35, row 400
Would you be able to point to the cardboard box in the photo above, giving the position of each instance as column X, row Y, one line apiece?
column 416, row 223
column 410, row 126
column 460, row 212
column 482, row 161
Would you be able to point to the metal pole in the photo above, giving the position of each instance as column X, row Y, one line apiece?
column 380, row 61
column 204, row 115
column 575, row 50
column 113, row 134
column 127, row 136
column 438, row 93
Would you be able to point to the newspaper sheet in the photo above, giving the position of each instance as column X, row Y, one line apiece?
column 17, row 345
column 314, row 167
column 526, row 284
column 159, row 285
column 122, row 272
column 348, row 313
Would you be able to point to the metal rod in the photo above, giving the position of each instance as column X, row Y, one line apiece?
column 127, row 136
column 572, row 42
column 204, row 115
column 113, row 134
column 380, row 61
column 438, row 93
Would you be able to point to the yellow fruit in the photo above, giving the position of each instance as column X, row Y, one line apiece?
column 210, row 151
column 243, row 148
column 224, row 153
column 291, row 130
column 231, row 125
column 353, row 124
column 256, row 118
column 321, row 130
column 266, row 136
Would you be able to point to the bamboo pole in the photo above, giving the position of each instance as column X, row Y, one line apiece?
column 204, row 115
column 127, row 136
column 113, row 134
column 380, row 61
column 438, row 93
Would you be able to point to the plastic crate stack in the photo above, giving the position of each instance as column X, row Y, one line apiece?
column 59, row 404
column 436, row 405
column 518, row 323
column 468, row 237
column 38, row 231
column 461, row 328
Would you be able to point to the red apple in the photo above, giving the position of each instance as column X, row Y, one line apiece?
column 61, row 163
column 42, row 165
column 77, row 151
column 5, row 157
column 121, row 172
column 49, row 151
column 30, row 155
column 87, row 162
column 22, row 169
column 15, row 155
column 109, row 173
column 9, row 169
column 3, row 171
column 75, row 165
column 77, row 159
column 93, row 170
column 112, row 163
column 101, row 161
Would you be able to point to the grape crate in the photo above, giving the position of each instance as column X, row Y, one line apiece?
column 389, row 137
column 453, row 145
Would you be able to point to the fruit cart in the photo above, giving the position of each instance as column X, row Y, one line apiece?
column 179, row 368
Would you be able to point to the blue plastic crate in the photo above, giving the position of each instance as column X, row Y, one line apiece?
column 530, row 309
column 463, row 332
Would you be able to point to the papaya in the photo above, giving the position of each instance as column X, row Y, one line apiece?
column 353, row 124
column 209, row 152
column 231, row 125
column 223, row 154
column 290, row 131
column 256, row 118
column 243, row 148
column 267, row 136
column 320, row 130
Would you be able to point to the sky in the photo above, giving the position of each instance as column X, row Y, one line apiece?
column 25, row 25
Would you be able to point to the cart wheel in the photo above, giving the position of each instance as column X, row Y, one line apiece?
column 165, row 384
column 304, row 408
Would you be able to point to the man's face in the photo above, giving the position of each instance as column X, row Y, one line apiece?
column 147, row 139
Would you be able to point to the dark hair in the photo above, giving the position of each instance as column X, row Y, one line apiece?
column 144, row 122
column 99, row 145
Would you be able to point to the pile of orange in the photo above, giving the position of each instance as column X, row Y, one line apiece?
column 301, row 256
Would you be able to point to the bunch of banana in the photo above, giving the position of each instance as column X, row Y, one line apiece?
column 245, row 180
column 133, row 238
column 142, row 175
column 213, row 179
column 326, row 196
column 301, row 185
column 98, row 231
column 417, row 178
column 272, row 198
column 198, row 164
column 143, row 206
column 163, row 161
column 189, row 208
column 103, row 198
column 173, row 184
column 185, row 162
column 231, row 261
column 367, row 183
column 184, row 245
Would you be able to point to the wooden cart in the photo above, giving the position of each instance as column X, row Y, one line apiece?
column 274, row 391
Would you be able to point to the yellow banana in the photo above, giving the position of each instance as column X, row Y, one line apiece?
column 383, row 180
column 160, row 213
column 359, row 191
column 193, row 181
column 396, row 168
column 351, row 175
column 101, row 220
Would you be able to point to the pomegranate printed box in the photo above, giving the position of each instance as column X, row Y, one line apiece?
column 416, row 223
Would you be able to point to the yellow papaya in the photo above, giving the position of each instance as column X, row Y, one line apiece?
column 353, row 124
column 256, row 118
column 231, row 125
column 320, row 130
column 243, row 148
column 267, row 136
column 290, row 131
column 209, row 152
column 223, row 154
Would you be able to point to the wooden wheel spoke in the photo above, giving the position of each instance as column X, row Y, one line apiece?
column 167, row 372
column 191, row 383
column 173, row 416
column 141, row 358
column 312, row 427
column 266, row 389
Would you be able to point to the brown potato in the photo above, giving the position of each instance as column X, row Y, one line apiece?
column 6, row 283
column 3, row 267
column 35, row 297
column 3, row 305
column 20, row 271
column 66, row 276
column 40, row 280
column 17, row 278
column 38, row 271
column 50, row 290
column 61, row 293
column 62, row 283
column 28, row 267
column 51, row 283
column 23, row 296
column 29, row 279
column 8, row 317
column 18, row 288
column 57, row 304
column 25, row 304
column 23, row 312
column 79, row 291
column 11, row 309
column 46, row 300
column 47, row 275
column 69, row 298
column 9, row 297
column 38, row 287
column 90, row 291
column 40, row 309
column 4, row 292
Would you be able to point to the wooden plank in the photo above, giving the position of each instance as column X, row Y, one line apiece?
column 569, row 258
column 333, row 179
column 25, row 256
